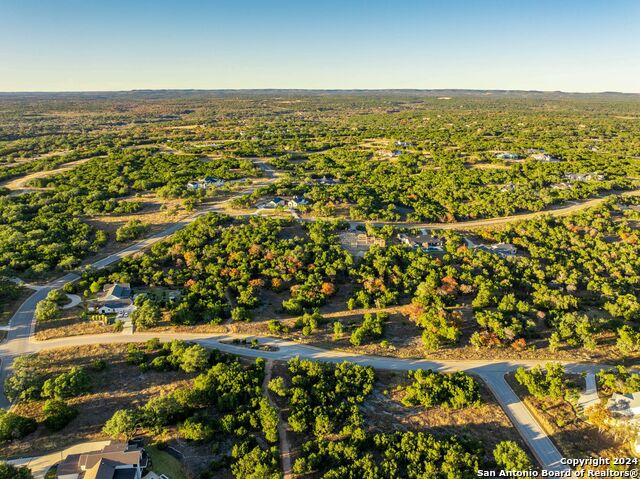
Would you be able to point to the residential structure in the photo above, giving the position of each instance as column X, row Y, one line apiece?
column 274, row 203
column 115, row 298
column 328, row 181
column 205, row 183
column 545, row 158
column 507, row 156
column 297, row 201
column 592, row 176
column 425, row 241
column 503, row 250
column 115, row 461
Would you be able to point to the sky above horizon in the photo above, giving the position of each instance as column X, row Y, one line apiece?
column 85, row 45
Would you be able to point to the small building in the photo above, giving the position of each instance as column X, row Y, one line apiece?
column 116, row 298
column 404, row 144
column 545, row 158
column 627, row 405
column 509, row 187
column 114, row 461
column 121, row 308
column 425, row 241
column 507, row 156
column 592, row 176
column 328, row 181
column 297, row 201
column 274, row 203
column 205, row 183
column 503, row 250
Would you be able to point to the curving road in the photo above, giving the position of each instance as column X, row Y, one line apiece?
column 19, row 342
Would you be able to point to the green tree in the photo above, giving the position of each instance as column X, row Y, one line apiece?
column 122, row 425
column 147, row 315
column 68, row 384
column 269, row 420
column 7, row 471
column 194, row 358
column 47, row 310
column 14, row 426
column 510, row 457
column 57, row 414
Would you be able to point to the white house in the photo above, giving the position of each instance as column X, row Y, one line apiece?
column 507, row 156
column 503, row 250
column 274, row 203
column 584, row 176
column 328, row 181
column 545, row 158
column 204, row 183
column 297, row 201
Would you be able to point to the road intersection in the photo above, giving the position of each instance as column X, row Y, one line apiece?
column 20, row 341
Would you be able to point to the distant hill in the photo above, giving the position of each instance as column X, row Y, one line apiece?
column 452, row 93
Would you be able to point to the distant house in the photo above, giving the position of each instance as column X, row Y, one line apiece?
column 404, row 144
column 545, row 158
column 503, row 250
column 297, row 201
column 115, row 461
column 592, row 176
column 507, row 156
column 328, row 181
column 204, row 183
column 425, row 241
column 627, row 405
column 274, row 203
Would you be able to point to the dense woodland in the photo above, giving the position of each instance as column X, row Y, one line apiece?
column 386, row 156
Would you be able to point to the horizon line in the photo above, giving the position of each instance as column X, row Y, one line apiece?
column 284, row 89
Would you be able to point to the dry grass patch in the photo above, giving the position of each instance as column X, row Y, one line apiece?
column 487, row 423
column 118, row 386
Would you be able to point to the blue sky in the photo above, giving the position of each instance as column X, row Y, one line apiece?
column 68, row 45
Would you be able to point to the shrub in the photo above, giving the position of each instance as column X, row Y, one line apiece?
column 57, row 414
column 7, row 471
column 122, row 425
column 132, row 230
column 430, row 389
column 14, row 426
column 510, row 457
column 72, row 383
column 47, row 310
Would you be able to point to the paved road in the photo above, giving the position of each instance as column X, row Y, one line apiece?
column 19, row 342
column 492, row 372
column 22, row 323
